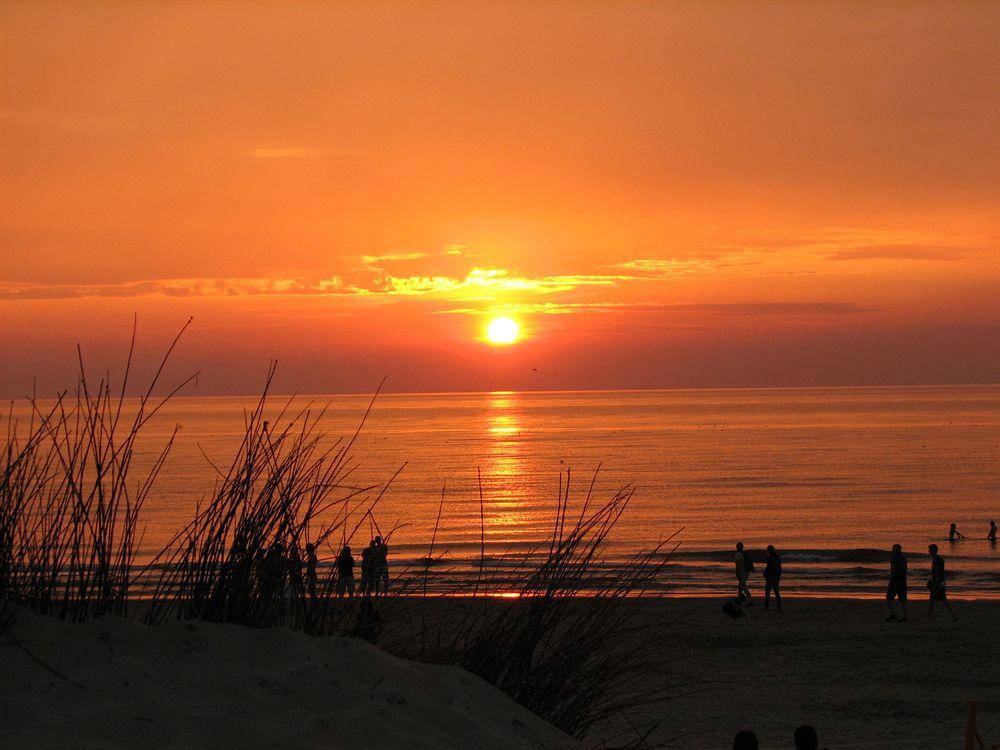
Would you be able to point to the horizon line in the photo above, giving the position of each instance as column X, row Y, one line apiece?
column 498, row 392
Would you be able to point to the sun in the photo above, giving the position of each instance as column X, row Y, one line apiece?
column 502, row 331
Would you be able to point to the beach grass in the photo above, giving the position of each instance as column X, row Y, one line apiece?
column 70, row 525
column 70, row 502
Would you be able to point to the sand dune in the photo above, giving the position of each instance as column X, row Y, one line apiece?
column 112, row 683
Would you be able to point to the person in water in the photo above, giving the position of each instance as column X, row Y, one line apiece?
column 897, row 582
column 772, row 578
column 936, row 584
column 345, row 573
column 744, row 566
column 954, row 535
column 992, row 535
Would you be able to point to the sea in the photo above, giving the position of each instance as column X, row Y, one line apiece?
column 832, row 477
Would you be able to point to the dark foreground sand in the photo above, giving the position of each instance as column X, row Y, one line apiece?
column 863, row 682
column 115, row 684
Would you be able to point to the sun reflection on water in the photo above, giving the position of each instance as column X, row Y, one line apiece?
column 505, row 509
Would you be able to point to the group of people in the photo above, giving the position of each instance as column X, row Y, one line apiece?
column 895, row 592
column 772, row 579
column 954, row 535
column 806, row 738
column 374, row 570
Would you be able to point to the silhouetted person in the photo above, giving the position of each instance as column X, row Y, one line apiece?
column 744, row 566
column 273, row 576
column 294, row 563
column 992, row 535
column 806, row 738
column 936, row 584
column 367, row 573
column 954, row 535
column 380, row 565
column 311, row 562
column 897, row 582
column 745, row 740
column 345, row 573
column 772, row 578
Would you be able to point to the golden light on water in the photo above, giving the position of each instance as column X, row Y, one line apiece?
column 502, row 331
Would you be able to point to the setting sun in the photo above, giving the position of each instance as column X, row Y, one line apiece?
column 502, row 331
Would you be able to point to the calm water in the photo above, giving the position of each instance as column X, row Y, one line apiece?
column 831, row 476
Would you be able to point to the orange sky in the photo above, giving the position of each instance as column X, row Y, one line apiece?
column 661, row 194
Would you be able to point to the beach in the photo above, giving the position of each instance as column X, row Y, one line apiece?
column 864, row 683
column 837, row 664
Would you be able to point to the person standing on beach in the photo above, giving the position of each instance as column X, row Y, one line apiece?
column 772, row 578
column 311, row 563
column 936, row 584
column 744, row 566
column 992, row 535
column 380, row 565
column 273, row 577
column 345, row 573
column 367, row 560
column 897, row 582
column 954, row 535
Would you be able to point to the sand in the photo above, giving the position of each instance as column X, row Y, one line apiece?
column 863, row 682
column 838, row 665
column 199, row 685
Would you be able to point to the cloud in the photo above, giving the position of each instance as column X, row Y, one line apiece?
column 207, row 287
column 374, row 260
column 776, row 308
column 863, row 244
column 899, row 252
column 478, row 283
column 490, row 281
column 665, row 267
column 730, row 308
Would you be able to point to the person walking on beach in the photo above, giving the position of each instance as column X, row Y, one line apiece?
column 772, row 578
column 897, row 583
column 744, row 566
column 380, row 565
column 936, row 584
column 954, row 535
column 345, row 573
column 992, row 535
